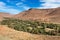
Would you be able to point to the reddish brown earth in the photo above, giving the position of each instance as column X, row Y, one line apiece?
column 45, row 15
column 11, row 34
column 2, row 15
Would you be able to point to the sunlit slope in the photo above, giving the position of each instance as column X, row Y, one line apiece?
column 11, row 34
column 45, row 15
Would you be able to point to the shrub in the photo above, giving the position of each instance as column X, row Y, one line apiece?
column 34, row 27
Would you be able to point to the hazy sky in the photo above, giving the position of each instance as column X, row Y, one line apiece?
column 16, row 6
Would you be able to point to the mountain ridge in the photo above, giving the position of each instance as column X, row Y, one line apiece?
column 46, row 15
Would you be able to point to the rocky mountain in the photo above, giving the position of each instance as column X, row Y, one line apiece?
column 45, row 15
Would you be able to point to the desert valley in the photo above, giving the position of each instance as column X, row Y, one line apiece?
column 32, row 24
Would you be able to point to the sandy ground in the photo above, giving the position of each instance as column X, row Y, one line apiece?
column 11, row 34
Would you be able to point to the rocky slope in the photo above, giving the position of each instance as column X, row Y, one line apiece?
column 46, row 15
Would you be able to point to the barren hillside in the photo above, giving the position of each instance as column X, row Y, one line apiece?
column 11, row 34
column 46, row 15
column 2, row 14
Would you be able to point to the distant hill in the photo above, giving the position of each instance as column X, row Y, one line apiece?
column 2, row 15
column 45, row 15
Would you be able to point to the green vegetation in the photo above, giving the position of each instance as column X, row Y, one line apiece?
column 34, row 27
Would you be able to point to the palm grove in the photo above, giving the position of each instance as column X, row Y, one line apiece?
column 33, row 27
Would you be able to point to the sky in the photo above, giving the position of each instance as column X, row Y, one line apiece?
column 17, row 6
